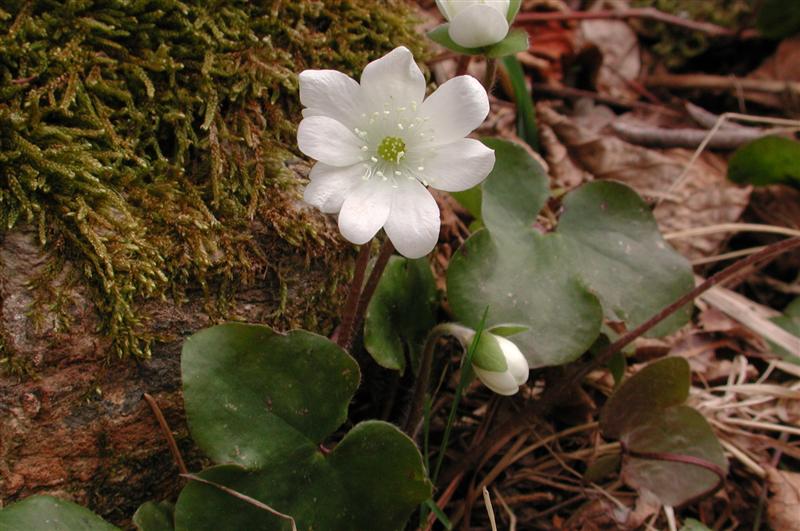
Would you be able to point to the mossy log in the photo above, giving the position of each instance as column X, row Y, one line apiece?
column 149, row 187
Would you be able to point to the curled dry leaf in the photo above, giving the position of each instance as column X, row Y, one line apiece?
column 706, row 197
column 619, row 48
column 783, row 507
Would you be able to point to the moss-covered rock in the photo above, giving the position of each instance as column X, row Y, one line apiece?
column 142, row 137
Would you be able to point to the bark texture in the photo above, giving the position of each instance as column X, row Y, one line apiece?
column 77, row 426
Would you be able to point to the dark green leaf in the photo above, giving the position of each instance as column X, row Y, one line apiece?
column 515, row 190
column 151, row 516
column 602, row 468
column 622, row 257
column 373, row 479
column 527, row 129
column 659, row 385
column 47, row 513
column 516, row 41
column 678, row 430
column 778, row 18
column 401, row 313
column 255, row 397
column 768, row 160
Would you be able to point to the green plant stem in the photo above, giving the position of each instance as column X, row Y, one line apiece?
column 369, row 289
column 426, row 362
column 565, row 385
column 344, row 335
column 490, row 75
column 466, row 369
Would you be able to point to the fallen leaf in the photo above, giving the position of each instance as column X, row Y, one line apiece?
column 619, row 48
column 783, row 505
column 704, row 198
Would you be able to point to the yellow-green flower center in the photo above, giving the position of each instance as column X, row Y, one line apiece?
column 392, row 149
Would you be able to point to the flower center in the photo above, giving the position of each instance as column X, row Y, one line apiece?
column 392, row 149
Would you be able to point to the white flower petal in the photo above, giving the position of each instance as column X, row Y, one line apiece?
column 365, row 210
column 446, row 8
column 459, row 165
column 413, row 224
column 394, row 78
column 478, row 25
column 456, row 108
column 330, row 185
column 329, row 141
column 330, row 93
column 502, row 383
column 517, row 364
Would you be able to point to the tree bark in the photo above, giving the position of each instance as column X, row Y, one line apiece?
column 78, row 427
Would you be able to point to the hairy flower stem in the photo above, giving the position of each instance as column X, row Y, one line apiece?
column 423, row 378
column 369, row 289
column 566, row 385
column 463, row 64
column 344, row 334
column 490, row 75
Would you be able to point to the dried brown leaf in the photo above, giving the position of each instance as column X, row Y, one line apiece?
column 706, row 198
column 783, row 507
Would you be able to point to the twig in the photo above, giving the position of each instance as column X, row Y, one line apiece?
column 687, row 138
column 644, row 12
column 573, row 93
column 162, row 422
column 487, row 500
column 711, row 82
column 369, row 288
column 344, row 334
column 707, row 119
column 244, row 497
column 731, row 227
column 565, row 385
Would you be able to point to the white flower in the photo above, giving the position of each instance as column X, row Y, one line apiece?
column 506, row 382
column 379, row 145
column 476, row 23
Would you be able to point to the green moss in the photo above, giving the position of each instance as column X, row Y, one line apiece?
column 142, row 137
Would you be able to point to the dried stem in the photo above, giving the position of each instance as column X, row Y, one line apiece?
column 162, row 422
column 344, row 334
column 563, row 386
column 244, row 497
column 644, row 12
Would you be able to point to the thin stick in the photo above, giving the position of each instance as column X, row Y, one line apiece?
column 573, row 93
column 731, row 227
column 487, row 500
column 162, row 422
column 644, row 12
column 726, row 256
column 369, row 288
column 463, row 64
column 344, row 335
column 244, row 497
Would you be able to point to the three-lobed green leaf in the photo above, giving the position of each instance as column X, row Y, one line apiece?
column 51, row 514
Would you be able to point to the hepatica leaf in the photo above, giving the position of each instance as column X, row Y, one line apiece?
column 151, row 516
column 52, row 514
column 646, row 414
column 400, row 314
column 371, row 480
column 605, row 257
column 264, row 402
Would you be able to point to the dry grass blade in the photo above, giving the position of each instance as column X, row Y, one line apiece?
column 244, row 497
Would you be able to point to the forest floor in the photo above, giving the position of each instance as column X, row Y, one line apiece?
column 632, row 98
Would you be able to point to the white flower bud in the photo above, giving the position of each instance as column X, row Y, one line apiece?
column 476, row 23
column 516, row 373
